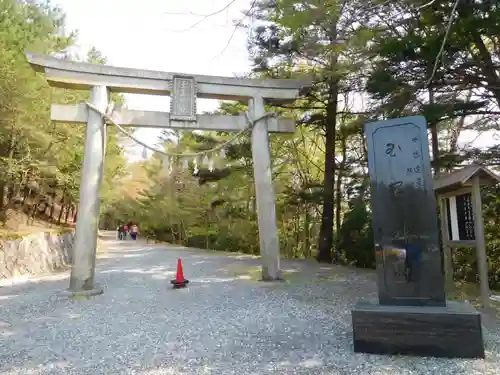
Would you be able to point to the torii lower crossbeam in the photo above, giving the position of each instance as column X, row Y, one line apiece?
column 151, row 119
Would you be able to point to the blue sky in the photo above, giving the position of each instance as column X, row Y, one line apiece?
column 157, row 34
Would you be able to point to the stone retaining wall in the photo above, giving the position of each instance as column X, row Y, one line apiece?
column 35, row 254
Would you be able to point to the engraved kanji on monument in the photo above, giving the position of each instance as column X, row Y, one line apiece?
column 183, row 99
column 404, row 214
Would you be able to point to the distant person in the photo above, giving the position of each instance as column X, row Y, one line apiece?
column 125, row 231
column 119, row 231
column 122, row 231
column 134, row 230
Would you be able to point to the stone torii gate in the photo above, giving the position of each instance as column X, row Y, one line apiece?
column 183, row 89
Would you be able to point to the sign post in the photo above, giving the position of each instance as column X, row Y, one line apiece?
column 462, row 222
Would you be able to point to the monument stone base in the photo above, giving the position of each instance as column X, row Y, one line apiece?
column 453, row 331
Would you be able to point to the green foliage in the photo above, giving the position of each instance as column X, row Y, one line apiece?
column 385, row 50
column 356, row 236
column 323, row 40
column 459, row 95
column 40, row 161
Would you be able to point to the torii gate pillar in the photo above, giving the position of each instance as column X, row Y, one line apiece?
column 101, row 79
column 85, row 245
column 264, row 191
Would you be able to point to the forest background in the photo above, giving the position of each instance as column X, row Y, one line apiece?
column 369, row 61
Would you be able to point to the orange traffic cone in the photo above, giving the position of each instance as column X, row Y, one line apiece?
column 180, row 281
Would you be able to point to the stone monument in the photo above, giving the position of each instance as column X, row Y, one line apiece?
column 412, row 315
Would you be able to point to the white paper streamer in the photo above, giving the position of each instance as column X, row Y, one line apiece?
column 205, row 160
column 166, row 164
column 195, row 163
column 144, row 153
column 222, row 153
column 185, row 163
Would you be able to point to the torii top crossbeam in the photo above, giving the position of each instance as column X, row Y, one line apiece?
column 80, row 75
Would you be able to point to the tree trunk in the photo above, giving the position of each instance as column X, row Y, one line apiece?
column 307, row 243
column 338, row 190
column 456, row 133
column 3, row 198
column 66, row 216
column 326, row 229
column 26, row 193
column 61, row 208
column 33, row 212
column 17, row 191
column 52, row 204
column 59, row 218
column 434, row 137
column 296, row 221
column 207, row 231
column 4, row 185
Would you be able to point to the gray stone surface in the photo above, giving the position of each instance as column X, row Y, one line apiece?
column 437, row 331
column 405, row 224
column 224, row 322
column 36, row 254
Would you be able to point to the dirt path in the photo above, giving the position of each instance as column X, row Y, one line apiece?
column 225, row 322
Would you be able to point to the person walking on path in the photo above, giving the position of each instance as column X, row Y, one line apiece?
column 120, row 231
column 134, row 230
column 125, row 231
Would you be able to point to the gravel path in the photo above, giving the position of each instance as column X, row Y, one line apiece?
column 224, row 323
